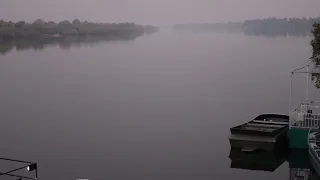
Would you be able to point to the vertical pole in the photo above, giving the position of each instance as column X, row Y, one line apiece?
column 290, row 174
column 307, row 88
column 290, row 99
column 37, row 173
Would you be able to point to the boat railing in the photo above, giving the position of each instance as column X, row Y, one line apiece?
column 24, row 165
column 306, row 115
column 312, row 141
column 299, row 174
column 312, row 130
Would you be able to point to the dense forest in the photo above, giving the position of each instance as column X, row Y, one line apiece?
column 267, row 27
column 41, row 29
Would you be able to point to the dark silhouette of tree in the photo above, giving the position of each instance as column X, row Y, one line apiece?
column 20, row 24
column 40, row 29
column 315, row 44
column 76, row 21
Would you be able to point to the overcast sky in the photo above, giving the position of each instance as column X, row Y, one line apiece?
column 157, row 12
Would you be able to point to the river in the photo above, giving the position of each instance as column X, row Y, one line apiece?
column 157, row 107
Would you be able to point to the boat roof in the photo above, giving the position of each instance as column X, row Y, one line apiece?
column 271, row 115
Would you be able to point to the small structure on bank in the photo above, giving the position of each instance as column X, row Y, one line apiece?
column 306, row 115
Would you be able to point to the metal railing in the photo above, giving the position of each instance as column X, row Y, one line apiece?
column 314, row 149
column 306, row 116
column 29, row 166
column 299, row 174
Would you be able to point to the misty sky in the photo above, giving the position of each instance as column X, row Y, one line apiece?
column 157, row 12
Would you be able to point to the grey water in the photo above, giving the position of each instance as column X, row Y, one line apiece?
column 157, row 107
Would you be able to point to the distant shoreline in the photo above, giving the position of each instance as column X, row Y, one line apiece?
column 69, row 30
column 267, row 27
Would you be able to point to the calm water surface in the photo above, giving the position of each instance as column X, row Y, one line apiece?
column 158, row 107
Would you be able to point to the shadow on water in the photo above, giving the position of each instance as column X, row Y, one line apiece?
column 298, row 160
column 262, row 161
column 279, row 34
column 66, row 44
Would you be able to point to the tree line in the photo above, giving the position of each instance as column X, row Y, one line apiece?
column 42, row 29
column 281, row 27
column 268, row 26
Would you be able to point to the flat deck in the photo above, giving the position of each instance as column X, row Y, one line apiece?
column 258, row 128
column 264, row 125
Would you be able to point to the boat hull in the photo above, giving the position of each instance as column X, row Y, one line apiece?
column 265, row 132
column 251, row 143
column 298, row 138
column 314, row 161
column 260, row 160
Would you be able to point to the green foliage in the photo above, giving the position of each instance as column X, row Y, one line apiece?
column 316, row 78
column 7, row 32
column 2, row 23
column 76, row 22
column 20, row 24
column 42, row 29
column 315, row 43
column 38, row 22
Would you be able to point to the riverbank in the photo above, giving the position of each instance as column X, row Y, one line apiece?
column 65, row 29
column 271, row 27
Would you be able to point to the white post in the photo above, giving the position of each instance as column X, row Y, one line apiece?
column 290, row 97
column 307, row 88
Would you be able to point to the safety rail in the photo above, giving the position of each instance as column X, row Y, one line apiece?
column 306, row 116
column 299, row 174
column 314, row 149
column 312, row 140
column 29, row 166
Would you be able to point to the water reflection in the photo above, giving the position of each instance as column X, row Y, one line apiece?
column 262, row 161
column 279, row 34
column 298, row 160
column 272, row 35
column 66, row 44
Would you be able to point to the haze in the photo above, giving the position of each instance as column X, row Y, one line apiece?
column 158, row 12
